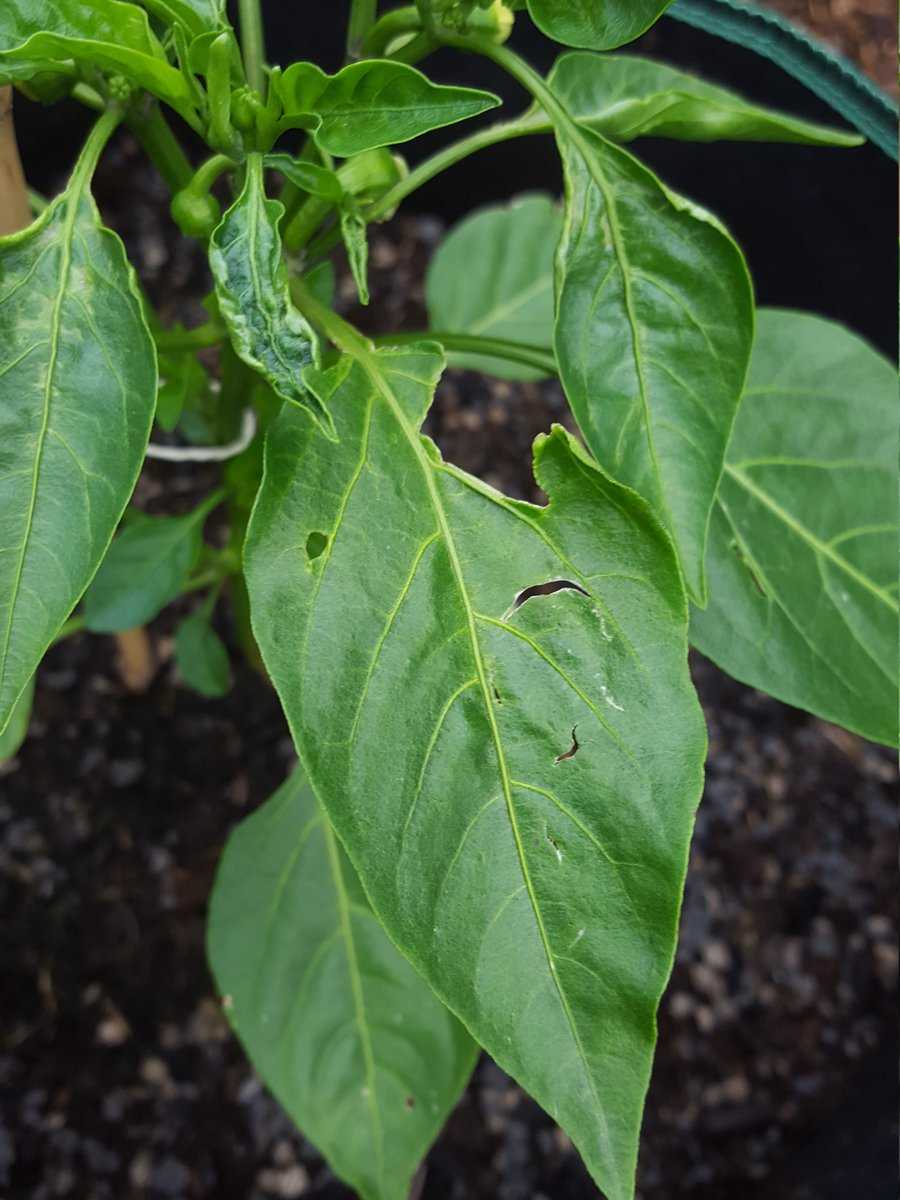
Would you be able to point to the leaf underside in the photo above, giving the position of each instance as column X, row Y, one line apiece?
column 596, row 24
column 803, row 546
column 538, row 897
column 349, row 1037
column 624, row 97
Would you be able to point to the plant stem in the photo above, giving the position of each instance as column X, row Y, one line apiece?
column 431, row 167
column 538, row 357
column 362, row 18
column 305, row 221
column 15, row 211
column 416, row 49
column 393, row 24
column 152, row 130
column 519, row 69
column 252, row 43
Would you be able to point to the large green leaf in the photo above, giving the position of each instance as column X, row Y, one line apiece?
column 349, row 1037
column 375, row 103
column 432, row 694
column 803, row 552
column 596, row 24
column 146, row 568
column 654, row 324
column 77, row 394
column 267, row 332
column 625, row 97
column 105, row 34
column 492, row 276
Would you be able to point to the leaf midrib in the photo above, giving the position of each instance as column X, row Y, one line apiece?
column 73, row 203
column 822, row 549
column 573, row 132
column 359, row 1004
column 371, row 367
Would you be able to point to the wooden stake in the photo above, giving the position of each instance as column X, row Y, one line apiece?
column 15, row 211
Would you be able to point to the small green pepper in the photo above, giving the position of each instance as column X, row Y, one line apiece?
column 195, row 213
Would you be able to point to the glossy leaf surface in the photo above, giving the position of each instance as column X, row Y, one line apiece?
column 375, row 103
column 346, row 1033
column 624, row 97
column 534, row 882
column 803, row 552
column 595, row 24
column 201, row 657
column 109, row 34
column 77, row 395
column 492, row 276
column 147, row 566
column 266, row 330
column 309, row 177
column 654, row 325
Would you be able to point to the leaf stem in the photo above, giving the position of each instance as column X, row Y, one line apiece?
column 392, row 25
column 363, row 14
column 253, row 43
column 152, row 130
column 427, row 170
column 538, row 357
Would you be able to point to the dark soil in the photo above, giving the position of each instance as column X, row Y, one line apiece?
column 119, row 1079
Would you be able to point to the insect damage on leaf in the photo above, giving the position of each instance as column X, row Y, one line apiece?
column 572, row 751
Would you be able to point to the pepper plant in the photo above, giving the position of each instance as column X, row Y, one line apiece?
column 500, row 748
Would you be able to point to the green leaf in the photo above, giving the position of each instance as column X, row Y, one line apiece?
column 106, row 34
column 182, row 382
column 196, row 17
column 146, row 568
column 353, row 233
column 596, row 24
column 536, row 889
column 201, row 657
column 77, row 394
column 349, row 1037
column 375, row 103
column 267, row 332
column 307, row 176
column 654, row 324
column 624, row 97
column 803, row 551
column 16, row 729
column 321, row 282
column 492, row 276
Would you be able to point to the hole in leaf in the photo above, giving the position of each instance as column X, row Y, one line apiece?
column 410, row 1102
column 572, row 750
column 315, row 544
column 555, row 844
column 546, row 589
column 497, row 695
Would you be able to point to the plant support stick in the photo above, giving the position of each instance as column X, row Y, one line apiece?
column 15, row 212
